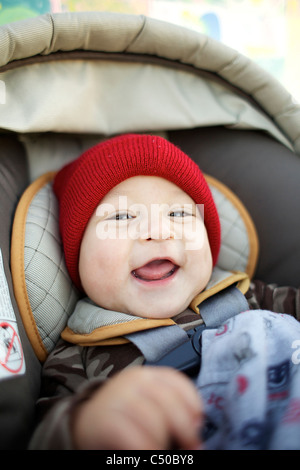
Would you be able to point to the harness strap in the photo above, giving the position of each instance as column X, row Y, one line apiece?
column 216, row 310
column 157, row 342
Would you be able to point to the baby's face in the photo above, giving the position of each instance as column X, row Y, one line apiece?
column 145, row 250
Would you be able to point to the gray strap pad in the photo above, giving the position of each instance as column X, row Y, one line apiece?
column 158, row 342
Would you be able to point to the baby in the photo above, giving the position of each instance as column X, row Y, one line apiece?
column 141, row 235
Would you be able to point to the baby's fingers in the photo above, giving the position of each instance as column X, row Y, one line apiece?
column 180, row 406
column 141, row 408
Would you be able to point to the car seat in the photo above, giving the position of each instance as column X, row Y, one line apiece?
column 69, row 80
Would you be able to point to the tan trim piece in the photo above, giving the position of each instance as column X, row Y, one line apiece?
column 243, row 285
column 252, row 234
column 17, row 265
column 240, row 279
column 113, row 334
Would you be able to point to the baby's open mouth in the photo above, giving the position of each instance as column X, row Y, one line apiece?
column 156, row 270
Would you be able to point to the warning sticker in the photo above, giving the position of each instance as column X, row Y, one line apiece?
column 11, row 351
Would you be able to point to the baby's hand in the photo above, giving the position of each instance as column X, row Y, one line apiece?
column 141, row 408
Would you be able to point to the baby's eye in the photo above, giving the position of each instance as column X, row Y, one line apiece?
column 121, row 216
column 180, row 213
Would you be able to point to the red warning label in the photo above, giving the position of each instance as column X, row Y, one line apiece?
column 11, row 352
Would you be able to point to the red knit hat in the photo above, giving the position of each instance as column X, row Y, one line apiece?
column 81, row 184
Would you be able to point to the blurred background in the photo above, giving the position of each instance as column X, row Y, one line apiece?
column 267, row 31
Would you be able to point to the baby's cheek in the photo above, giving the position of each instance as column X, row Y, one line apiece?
column 201, row 269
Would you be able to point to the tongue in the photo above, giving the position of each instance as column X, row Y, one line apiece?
column 155, row 270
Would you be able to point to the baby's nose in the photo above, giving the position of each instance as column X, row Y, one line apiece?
column 158, row 227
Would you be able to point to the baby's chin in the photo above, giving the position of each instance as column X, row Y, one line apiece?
column 159, row 312
column 157, row 307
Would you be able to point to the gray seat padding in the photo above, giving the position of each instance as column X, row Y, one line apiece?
column 18, row 393
column 265, row 175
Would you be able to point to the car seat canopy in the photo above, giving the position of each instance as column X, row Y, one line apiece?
column 58, row 37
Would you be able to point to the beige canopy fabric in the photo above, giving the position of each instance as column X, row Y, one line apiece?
column 49, row 36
